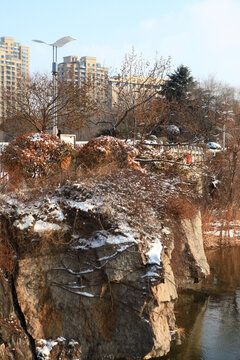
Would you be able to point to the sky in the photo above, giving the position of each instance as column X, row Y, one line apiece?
column 203, row 35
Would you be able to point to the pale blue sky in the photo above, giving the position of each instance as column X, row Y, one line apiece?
column 201, row 34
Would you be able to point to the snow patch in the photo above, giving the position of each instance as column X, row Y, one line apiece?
column 45, row 348
column 25, row 222
column 81, row 205
column 154, row 254
column 73, row 342
column 42, row 226
column 84, row 293
column 102, row 238
column 61, row 338
column 150, row 274
column 166, row 231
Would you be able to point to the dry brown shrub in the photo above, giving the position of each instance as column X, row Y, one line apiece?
column 106, row 150
column 221, row 228
column 207, row 219
column 100, row 171
column 35, row 156
column 181, row 208
column 48, row 242
column 180, row 331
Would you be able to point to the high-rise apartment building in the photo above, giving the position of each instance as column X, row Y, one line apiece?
column 14, row 63
column 85, row 70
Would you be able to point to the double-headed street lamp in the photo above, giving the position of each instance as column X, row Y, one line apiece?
column 57, row 44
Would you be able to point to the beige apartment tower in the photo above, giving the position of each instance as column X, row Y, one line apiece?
column 85, row 70
column 14, row 62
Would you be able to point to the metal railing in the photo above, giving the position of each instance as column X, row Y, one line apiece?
column 196, row 151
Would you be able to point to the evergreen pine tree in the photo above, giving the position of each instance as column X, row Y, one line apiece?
column 178, row 85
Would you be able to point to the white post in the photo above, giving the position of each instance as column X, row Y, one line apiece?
column 224, row 135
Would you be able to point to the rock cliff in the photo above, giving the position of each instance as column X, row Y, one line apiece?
column 91, row 270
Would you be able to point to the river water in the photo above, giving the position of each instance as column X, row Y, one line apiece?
column 211, row 318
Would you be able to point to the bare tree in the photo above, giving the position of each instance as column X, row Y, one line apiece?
column 34, row 106
column 131, row 92
column 216, row 110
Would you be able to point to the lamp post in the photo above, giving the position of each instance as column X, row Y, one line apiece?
column 57, row 44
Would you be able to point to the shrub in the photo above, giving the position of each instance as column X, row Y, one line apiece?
column 105, row 150
column 35, row 155
column 181, row 208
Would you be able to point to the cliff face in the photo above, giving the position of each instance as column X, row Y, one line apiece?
column 87, row 282
column 189, row 261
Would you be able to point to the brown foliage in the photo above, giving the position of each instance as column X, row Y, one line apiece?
column 35, row 156
column 106, row 150
column 181, row 208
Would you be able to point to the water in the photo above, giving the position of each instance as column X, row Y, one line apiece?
column 212, row 321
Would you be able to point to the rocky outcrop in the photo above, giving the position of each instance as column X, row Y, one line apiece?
column 189, row 260
column 90, row 286
column 102, row 293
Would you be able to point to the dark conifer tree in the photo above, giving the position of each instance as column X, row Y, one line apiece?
column 179, row 85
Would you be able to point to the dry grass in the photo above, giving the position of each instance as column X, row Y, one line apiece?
column 221, row 228
column 181, row 335
column 181, row 208
column 207, row 219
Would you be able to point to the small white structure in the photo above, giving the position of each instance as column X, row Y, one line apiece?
column 69, row 139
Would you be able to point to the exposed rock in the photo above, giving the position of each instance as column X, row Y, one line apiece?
column 93, row 287
column 189, row 262
column 13, row 340
column 104, row 297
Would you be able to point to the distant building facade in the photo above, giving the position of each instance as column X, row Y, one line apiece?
column 14, row 63
column 85, row 70
column 131, row 88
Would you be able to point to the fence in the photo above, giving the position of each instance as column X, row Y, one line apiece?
column 196, row 152
column 179, row 150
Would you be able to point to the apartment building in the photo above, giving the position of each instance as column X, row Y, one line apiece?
column 130, row 88
column 85, row 70
column 14, row 63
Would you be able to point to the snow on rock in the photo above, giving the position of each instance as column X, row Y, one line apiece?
column 73, row 342
column 84, row 293
column 166, row 231
column 151, row 273
column 42, row 226
column 61, row 338
column 80, row 205
column 102, row 238
column 54, row 208
column 40, row 214
column 25, row 222
column 45, row 347
column 154, row 254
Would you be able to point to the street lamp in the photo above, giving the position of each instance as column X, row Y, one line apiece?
column 57, row 44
